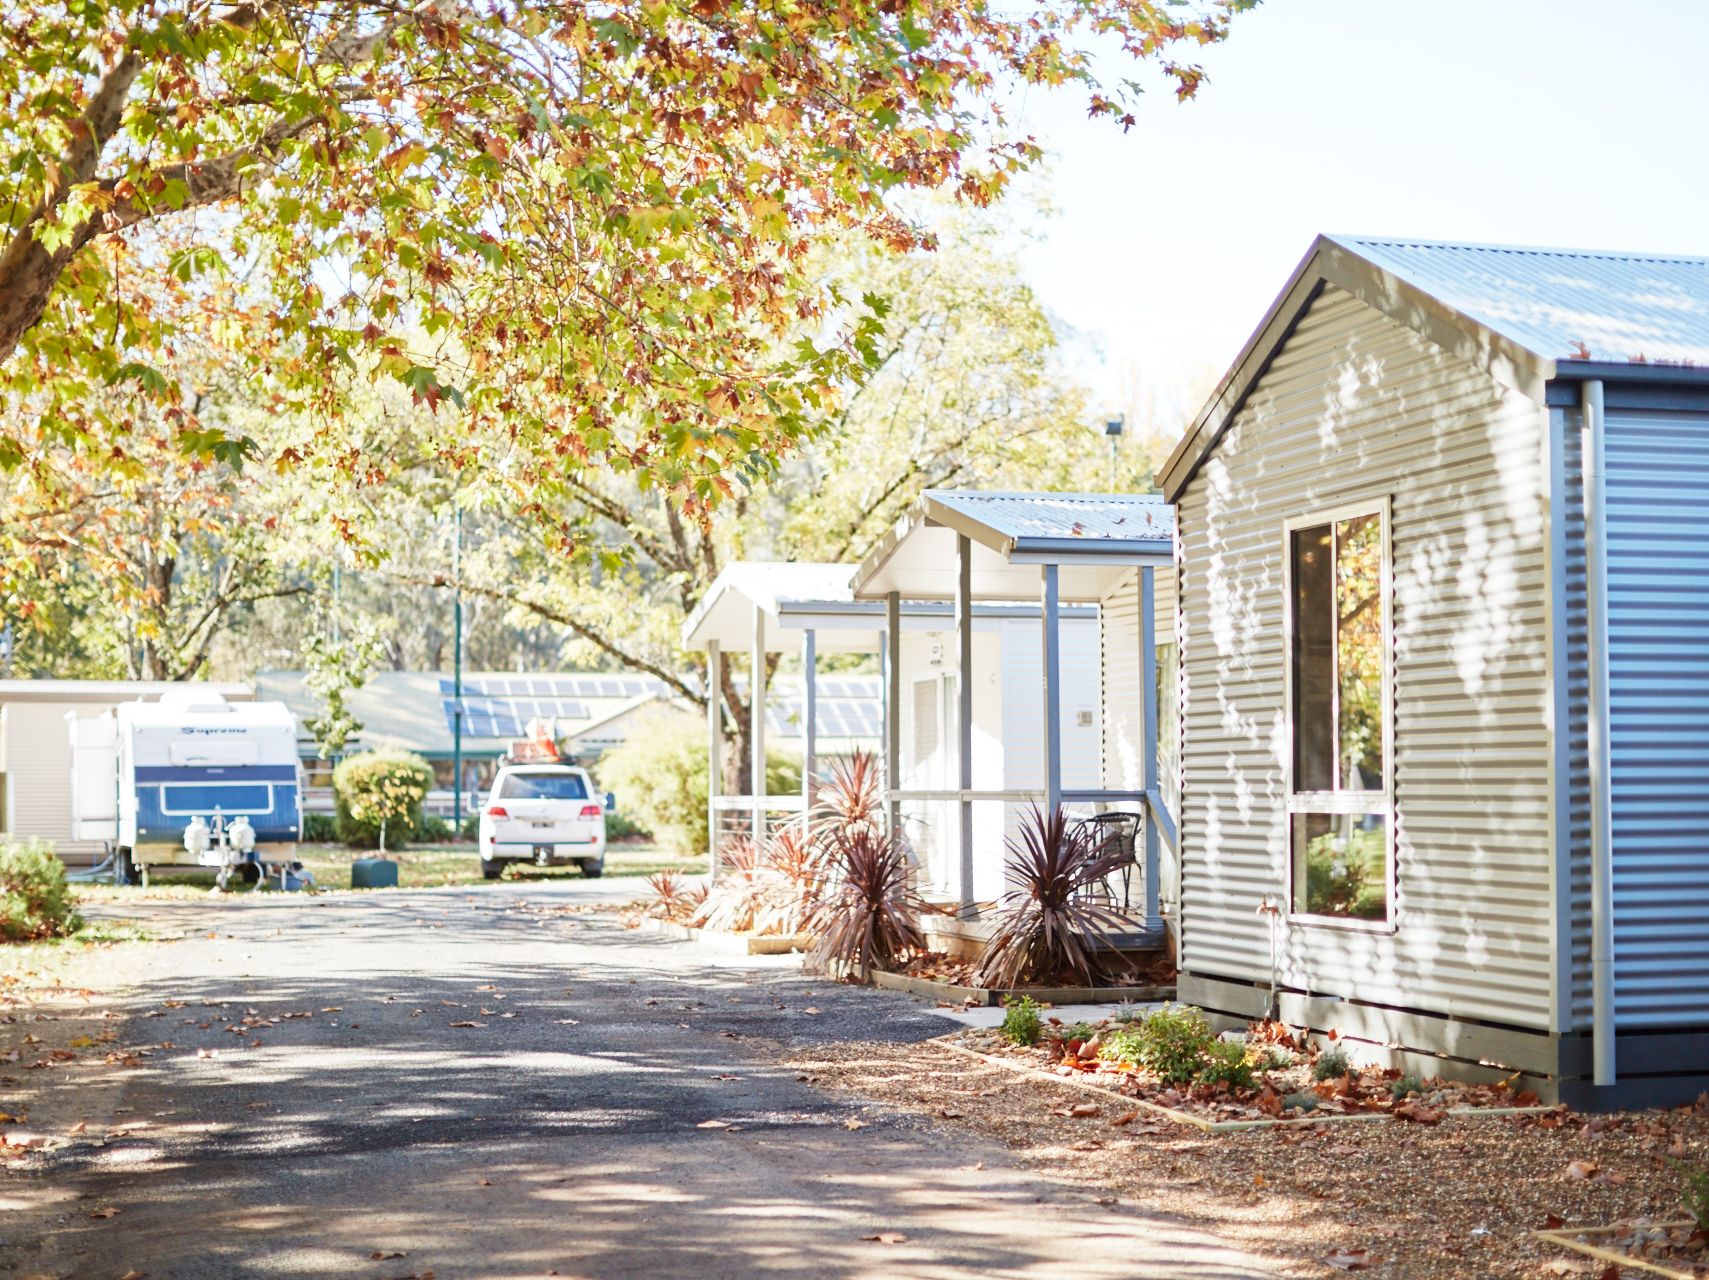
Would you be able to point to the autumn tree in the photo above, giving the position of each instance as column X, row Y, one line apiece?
column 583, row 228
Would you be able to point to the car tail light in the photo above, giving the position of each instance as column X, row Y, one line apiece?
column 591, row 811
column 497, row 811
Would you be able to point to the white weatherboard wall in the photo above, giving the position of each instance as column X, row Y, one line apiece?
column 1657, row 468
column 1008, row 734
column 1357, row 407
column 1122, row 714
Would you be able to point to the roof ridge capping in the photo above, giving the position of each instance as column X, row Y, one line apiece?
column 1350, row 241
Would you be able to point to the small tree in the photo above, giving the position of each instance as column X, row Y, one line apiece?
column 380, row 789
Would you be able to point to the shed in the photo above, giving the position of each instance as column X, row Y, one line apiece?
column 35, row 752
column 1077, row 718
column 1444, row 665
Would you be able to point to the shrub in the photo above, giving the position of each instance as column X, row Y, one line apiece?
column 378, row 796
column 35, row 901
column 870, row 912
column 620, row 826
column 433, row 828
column 1046, row 926
column 1304, row 1100
column 670, row 896
column 1406, row 1085
column 1020, row 1021
column 1331, row 1064
column 659, row 778
column 319, row 828
column 1170, row 1043
column 1224, row 1062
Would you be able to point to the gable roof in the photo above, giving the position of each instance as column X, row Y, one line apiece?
column 1525, row 315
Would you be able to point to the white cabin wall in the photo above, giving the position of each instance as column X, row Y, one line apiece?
column 37, row 762
column 1356, row 407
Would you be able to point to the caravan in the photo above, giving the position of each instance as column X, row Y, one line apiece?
column 191, row 780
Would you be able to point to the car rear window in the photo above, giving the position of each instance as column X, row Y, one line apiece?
column 542, row 786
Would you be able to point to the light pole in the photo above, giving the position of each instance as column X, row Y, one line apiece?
column 457, row 674
column 1113, row 433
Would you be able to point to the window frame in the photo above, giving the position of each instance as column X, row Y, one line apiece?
column 1341, row 802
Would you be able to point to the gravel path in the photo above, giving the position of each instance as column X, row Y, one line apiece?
column 622, row 1105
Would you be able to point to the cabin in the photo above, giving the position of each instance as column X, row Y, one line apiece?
column 769, row 612
column 1049, row 648
column 1443, row 624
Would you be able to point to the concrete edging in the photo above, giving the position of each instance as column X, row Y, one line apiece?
column 748, row 944
column 985, row 997
column 1563, row 1236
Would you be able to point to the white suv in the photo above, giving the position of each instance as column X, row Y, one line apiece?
column 547, row 814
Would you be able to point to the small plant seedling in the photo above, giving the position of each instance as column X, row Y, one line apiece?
column 1225, row 1063
column 1331, row 1064
column 1081, row 1031
column 1020, row 1021
column 1405, row 1086
column 1126, row 1014
column 1304, row 1100
column 1694, row 1194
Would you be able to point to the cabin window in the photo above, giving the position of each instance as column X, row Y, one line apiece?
column 1340, row 793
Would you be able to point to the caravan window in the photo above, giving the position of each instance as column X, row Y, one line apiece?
column 1339, row 680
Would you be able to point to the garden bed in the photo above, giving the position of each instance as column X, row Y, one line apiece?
column 1167, row 1065
column 751, row 944
column 1678, row 1250
column 986, row 997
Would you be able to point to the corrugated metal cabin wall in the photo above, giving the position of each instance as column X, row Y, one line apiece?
column 38, row 776
column 1357, row 407
column 1657, row 486
column 1575, row 964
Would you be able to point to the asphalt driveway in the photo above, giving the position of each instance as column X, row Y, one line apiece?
column 493, row 1083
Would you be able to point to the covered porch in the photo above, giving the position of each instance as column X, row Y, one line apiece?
column 1056, row 554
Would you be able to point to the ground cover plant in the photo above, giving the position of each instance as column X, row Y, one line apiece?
column 1173, row 1057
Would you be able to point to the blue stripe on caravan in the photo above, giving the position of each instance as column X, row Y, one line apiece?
column 181, row 773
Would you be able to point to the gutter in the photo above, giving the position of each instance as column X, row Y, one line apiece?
column 1600, row 758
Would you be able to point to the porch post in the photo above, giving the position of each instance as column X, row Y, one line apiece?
column 1148, row 731
column 810, row 725
column 1052, row 694
column 756, row 725
column 893, row 711
column 964, row 716
column 714, row 750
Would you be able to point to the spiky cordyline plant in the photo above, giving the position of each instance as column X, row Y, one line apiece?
column 872, row 914
column 734, row 902
column 851, row 797
column 1046, row 926
column 670, row 897
column 792, row 877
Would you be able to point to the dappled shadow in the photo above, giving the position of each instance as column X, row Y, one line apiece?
column 619, row 1106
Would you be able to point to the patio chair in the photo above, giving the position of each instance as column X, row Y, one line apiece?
column 1116, row 833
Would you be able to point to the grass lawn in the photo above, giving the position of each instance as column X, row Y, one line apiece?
column 421, row 867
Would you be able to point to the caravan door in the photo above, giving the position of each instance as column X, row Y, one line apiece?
column 94, row 776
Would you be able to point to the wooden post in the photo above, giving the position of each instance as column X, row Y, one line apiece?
column 714, row 749
column 964, row 719
column 1052, row 693
column 756, row 726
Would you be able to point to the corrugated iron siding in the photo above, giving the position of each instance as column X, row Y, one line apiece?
column 37, row 760
column 1658, row 678
column 1355, row 406
column 1123, row 765
column 1576, row 964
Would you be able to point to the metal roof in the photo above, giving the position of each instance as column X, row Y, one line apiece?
column 113, row 691
column 1562, row 304
column 1092, row 521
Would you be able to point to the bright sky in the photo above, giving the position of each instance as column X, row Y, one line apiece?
column 1548, row 122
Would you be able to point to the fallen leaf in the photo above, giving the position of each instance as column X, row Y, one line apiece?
column 1352, row 1260
column 134, row 1274
column 887, row 1237
column 1581, row 1170
column 1126, row 1117
column 713, row 1124
column 108, row 1212
column 468, row 1024
column 380, row 1255
column 1084, row 1110
column 854, row 1124
column 949, row 1114
column 79, row 1127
